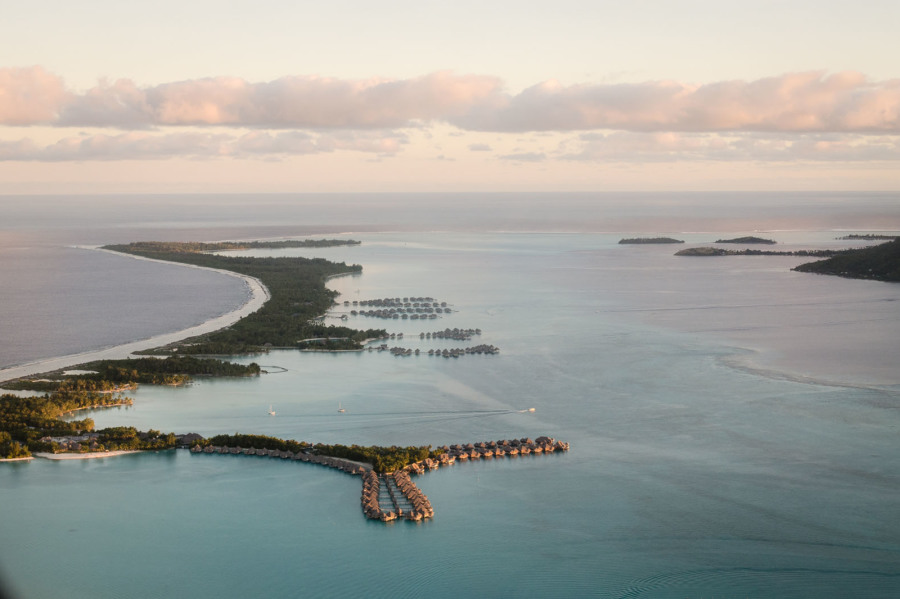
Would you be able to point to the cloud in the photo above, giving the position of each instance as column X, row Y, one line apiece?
column 756, row 147
column 298, row 142
column 812, row 116
column 30, row 95
column 139, row 145
column 285, row 103
column 588, row 147
column 525, row 157
column 794, row 102
column 798, row 102
column 126, row 146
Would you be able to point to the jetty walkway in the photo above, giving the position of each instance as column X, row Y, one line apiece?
column 394, row 495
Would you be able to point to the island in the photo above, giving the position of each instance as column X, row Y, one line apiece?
column 709, row 251
column 34, row 425
column 869, row 237
column 748, row 239
column 226, row 246
column 879, row 263
column 388, row 491
column 650, row 240
column 298, row 298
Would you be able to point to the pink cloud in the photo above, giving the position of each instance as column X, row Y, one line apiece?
column 796, row 102
column 289, row 102
column 30, row 96
column 141, row 145
column 632, row 147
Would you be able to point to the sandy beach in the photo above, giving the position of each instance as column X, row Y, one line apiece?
column 259, row 294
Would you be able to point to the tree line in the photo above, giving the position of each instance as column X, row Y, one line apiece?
column 383, row 459
column 24, row 421
column 880, row 262
column 298, row 296
column 220, row 246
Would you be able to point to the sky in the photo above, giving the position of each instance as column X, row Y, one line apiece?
column 429, row 96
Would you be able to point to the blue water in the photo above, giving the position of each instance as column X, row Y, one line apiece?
column 710, row 454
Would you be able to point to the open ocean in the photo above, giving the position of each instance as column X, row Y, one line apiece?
column 733, row 424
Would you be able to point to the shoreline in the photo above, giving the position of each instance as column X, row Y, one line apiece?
column 259, row 295
column 97, row 407
column 81, row 456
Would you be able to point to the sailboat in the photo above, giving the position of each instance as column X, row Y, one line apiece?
column 340, row 409
column 271, row 411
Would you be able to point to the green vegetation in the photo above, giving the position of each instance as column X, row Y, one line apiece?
column 10, row 449
column 880, row 263
column 157, row 247
column 869, row 237
column 640, row 240
column 383, row 459
column 118, row 375
column 749, row 239
column 298, row 297
column 34, row 424
column 128, row 438
column 46, row 385
column 708, row 251
column 27, row 423
column 174, row 370
column 254, row 442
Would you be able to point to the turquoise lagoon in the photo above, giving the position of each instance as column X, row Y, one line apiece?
column 733, row 430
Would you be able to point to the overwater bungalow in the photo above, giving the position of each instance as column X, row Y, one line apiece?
column 401, row 491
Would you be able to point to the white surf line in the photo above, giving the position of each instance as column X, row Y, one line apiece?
column 259, row 295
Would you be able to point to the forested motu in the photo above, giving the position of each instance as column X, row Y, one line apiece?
column 881, row 263
column 35, row 423
column 382, row 459
column 223, row 246
column 112, row 375
column 297, row 297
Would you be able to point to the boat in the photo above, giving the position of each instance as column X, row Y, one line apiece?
column 340, row 409
column 271, row 411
